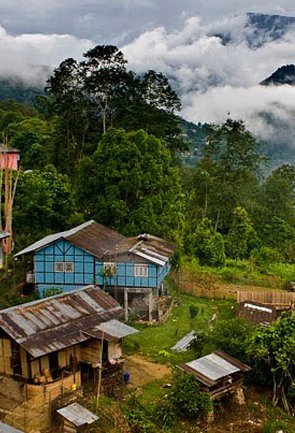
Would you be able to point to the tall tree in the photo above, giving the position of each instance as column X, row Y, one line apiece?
column 131, row 185
column 232, row 161
column 274, row 216
column 44, row 203
column 273, row 348
column 99, row 92
column 241, row 237
column 105, row 77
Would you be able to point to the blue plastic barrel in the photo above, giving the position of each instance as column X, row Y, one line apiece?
column 126, row 377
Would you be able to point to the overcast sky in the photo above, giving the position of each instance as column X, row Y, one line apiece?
column 104, row 21
column 171, row 36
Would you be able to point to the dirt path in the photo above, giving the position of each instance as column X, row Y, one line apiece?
column 143, row 371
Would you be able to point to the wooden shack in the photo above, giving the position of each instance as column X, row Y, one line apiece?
column 257, row 313
column 218, row 373
column 76, row 418
column 56, row 344
column 9, row 157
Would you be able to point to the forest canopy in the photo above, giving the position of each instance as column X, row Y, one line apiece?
column 105, row 142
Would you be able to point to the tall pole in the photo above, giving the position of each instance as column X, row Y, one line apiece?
column 100, row 369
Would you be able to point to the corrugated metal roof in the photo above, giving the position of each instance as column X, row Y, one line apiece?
column 184, row 343
column 103, row 242
column 5, row 428
column 77, row 414
column 258, row 307
column 8, row 149
column 114, row 328
column 60, row 321
column 151, row 248
column 90, row 236
column 4, row 234
column 210, row 368
column 213, row 366
column 257, row 313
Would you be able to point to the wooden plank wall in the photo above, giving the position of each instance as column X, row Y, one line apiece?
column 5, row 356
column 90, row 351
column 277, row 298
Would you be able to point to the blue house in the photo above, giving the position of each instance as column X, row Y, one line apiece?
column 131, row 269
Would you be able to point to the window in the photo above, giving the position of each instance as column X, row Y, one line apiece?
column 64, row 267
column 110, row 268
column 141, row 270
column 69, row 267
column 59, row 267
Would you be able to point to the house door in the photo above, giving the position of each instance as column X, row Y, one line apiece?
column 53, row 364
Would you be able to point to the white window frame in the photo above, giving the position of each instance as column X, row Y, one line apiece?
column 141, row 270
column 110, row 265
column 59, row 267
column 70, row 265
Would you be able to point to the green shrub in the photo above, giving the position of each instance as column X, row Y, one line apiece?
column 138, row 419
column 232, row 336
column 193, row 311
column 265, row 255
column 184, row 399
column 52, row 291
column 273, row 426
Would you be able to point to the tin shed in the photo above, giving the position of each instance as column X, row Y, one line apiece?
column 76, row 418
column 218, row 373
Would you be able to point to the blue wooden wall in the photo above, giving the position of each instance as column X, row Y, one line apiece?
column 63, row 251
column 87, row 270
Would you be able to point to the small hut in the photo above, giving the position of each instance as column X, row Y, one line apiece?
column 258, row 314
column 9, row 157
column 219, row 374
column 76, row 418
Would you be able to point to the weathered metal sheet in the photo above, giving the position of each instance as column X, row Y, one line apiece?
column 5, row 428
column 50, row 324
column 4, row 234
column 77, row 414
column 184, row 343
column 151, row 248
column 258, row 307
column 209, row 369
column 115, row 329
column 213, row 366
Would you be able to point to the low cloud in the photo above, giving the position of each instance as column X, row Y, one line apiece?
column 31, row 57
column 215, row 78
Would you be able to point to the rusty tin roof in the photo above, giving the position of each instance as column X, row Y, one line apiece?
column 257, row 313
column 60, row 321
column 146, row 246
column 90, row 236
column 8, row 149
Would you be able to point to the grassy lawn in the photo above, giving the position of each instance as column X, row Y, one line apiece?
column 155, row 341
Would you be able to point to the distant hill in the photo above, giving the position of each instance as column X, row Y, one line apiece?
column 257, row 30
column 268, row 28
column 284, row 75
column 18, row 91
